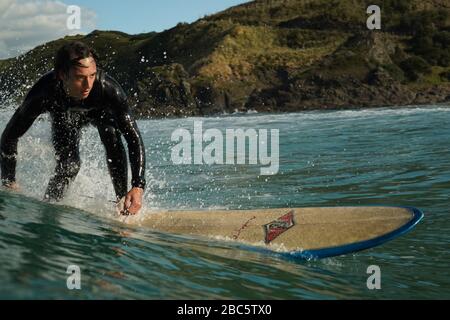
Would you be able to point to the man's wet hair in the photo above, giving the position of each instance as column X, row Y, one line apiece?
column 70, row 54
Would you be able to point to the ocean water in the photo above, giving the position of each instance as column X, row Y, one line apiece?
column 389, row 156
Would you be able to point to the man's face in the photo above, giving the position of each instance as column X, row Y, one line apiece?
column 78, row 83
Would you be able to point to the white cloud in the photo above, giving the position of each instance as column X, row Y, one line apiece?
column 24, row 24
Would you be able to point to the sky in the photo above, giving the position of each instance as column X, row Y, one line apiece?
column 24, row 24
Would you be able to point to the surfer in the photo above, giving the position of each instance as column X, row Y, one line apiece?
column 77, row 93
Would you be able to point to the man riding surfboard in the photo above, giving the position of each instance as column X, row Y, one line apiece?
column 76, row 93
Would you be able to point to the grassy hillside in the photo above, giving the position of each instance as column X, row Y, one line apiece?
column 277, row 55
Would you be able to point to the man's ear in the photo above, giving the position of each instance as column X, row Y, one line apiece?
column 61, row 76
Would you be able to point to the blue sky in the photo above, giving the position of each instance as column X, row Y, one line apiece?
column 25, row 24
column 136, row 16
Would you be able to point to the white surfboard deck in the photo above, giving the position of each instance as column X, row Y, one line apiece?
column 292, row 232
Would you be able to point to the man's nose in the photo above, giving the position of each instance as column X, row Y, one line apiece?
column 86, row 84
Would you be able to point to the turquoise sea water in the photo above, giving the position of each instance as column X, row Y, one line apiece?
column 390, row 156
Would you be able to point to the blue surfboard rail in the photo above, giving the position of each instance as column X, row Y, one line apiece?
column 348, row 248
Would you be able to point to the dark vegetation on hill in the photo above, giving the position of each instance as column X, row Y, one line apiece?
column 273, row 56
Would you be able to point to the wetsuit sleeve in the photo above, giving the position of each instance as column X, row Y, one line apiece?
column 127, row 125
column 20, row 122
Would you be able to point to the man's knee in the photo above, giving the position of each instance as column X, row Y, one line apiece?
column 111, row 138
column 66, row 171
column 116, row 154
column 69, row 169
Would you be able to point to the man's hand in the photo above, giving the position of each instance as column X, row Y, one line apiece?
column 133, row 200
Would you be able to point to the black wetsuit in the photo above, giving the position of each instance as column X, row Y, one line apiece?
column 105, row 107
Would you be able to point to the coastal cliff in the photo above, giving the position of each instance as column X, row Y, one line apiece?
column 270, row 56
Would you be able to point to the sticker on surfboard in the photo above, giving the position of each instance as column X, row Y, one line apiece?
column 273, row 229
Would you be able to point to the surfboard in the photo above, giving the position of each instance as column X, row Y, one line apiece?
column 297, row 233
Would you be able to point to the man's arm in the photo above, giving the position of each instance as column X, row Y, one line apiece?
column 134, row 198
column 20, row 122
column 127, row 125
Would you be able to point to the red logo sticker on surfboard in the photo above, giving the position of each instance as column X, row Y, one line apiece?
column 277, row 227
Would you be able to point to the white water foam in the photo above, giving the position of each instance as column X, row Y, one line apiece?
column 91, row 191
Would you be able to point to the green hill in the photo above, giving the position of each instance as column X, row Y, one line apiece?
column 271, row 55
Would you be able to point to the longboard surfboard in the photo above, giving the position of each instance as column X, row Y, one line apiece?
column 298, row 233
